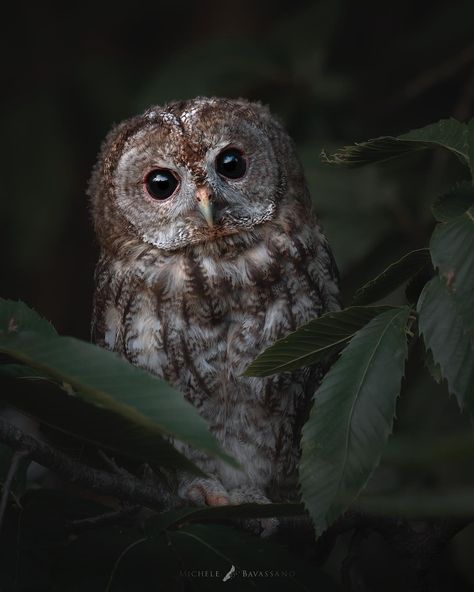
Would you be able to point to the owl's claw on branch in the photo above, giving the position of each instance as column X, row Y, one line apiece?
column 208, row 492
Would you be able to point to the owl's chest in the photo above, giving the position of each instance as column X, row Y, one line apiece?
column 189, row 327
column 199, row 321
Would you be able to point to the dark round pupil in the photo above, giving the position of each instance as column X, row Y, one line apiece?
column 161, row 183
column 231, row 164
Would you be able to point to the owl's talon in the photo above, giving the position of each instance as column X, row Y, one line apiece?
column 207, row 492
column 217, row 500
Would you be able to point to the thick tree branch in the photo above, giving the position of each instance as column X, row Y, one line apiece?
column 125, row 487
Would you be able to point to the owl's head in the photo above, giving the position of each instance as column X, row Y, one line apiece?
column 192, row 172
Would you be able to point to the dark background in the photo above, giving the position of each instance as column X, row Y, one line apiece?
column 334, row 71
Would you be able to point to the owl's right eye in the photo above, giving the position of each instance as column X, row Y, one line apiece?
column 161, row 183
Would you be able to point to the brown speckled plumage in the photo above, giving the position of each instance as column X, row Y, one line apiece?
column 196, row 304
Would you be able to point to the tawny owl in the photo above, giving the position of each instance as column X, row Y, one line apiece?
column 210, row 252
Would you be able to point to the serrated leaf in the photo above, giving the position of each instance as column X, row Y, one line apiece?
column 432, row 367
column 444, row 334
column 452, row 252
column 314, row 341
column 106, row 380
column 106, row 429
column 446, row 133
column 394, row 276
column 453, row 203
column 352, row 417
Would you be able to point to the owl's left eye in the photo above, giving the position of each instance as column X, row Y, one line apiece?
column 161, row 183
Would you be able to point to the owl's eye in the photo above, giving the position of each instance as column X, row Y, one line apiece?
column 231, row 164
column 161, row 183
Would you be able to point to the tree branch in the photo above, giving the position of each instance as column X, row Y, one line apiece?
column 18, row 455
column 125, row 487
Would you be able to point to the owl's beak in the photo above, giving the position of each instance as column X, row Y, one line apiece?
column 204, row 197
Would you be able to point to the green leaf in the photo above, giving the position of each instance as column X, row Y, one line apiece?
column 452, row 252
column 18, row 371
column 16, row 317
column 106, row 380
column 175, row 518
column 453, row 203
column 352, row 417
column 42, row 399
column 314, row 341
column 446, row 133
column 444, row 334
column 395, row 275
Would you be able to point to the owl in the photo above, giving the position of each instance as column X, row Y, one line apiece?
column 210, row 251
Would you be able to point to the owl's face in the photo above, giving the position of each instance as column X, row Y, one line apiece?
column 189, row 173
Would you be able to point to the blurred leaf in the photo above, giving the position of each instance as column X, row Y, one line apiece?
column 19, row 371
column 17, row 317
column 443, row 332
column 446, row 133
column 352, row 417
column 420, row 505
column 452, row 252
column 105, row 379
column 314, row 341
column 45, row 401
column 396, row 274
column 453, row 203
column 174, row 518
